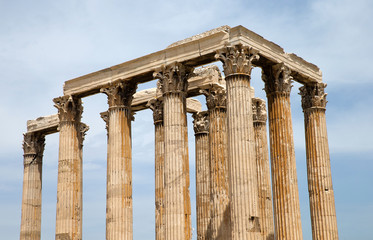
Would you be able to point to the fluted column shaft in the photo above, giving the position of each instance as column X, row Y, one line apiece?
column 157, row 106
column 119, row 215
column 284, row 176
column 220, row 210
column 69, row 183
column 176, row 168
column 237, row 64
column 264, row 175
column 33, row 147
column 203, row 204
column 320, row 187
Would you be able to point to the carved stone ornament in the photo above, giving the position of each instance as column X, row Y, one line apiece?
column 313, row 96
column 157, row 106
column 83, row 128
column 237, row 59
column 216, row 97
column 70, row 108
column 33, row 144
column 120, row 94
column 259, row 110
column 105, row 117
column 201, row 122
column 173, row 78
column 277, row 79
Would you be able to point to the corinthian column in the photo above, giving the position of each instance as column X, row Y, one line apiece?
column 284, row 174
column 220, row 210
column 320, row 187
column 119, row 161
column 173, row 79
column 237, row 64
column 262, row 162
column 201, row 130
column 157, row 106
column 69, row 185
column 33, row 148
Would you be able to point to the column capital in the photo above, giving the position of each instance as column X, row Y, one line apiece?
column 157, row 106
column 277, row 79
column 33, row 145
column 201, row 122
column 70, row 108
column 173, row 78
column 313, row 96
column 83, row 129
column 120, row 94
column 259, row 110
column 237, row 59
column 216, row 97
column 105, row 117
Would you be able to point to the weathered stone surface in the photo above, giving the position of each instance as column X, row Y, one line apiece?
column 284, row 175
column 320, row 186
column 241, row 147
column 33, row 147
column 119, row 220
column 264, row 175
column 220, row 206
column 46, row 124
column 194, row 52
column 157, row 106
column 203, row 203
column 69, row 183
column 176, row 166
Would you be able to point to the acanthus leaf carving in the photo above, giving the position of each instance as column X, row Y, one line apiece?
column 83, row 129
column 105, row 117
column 33, row 144
column 216, row 97
column 237, row 59
column 277, row 79
column 259, row 110
column 173, row 78
column 70, row 108
column 201, row 122
column 156, row 105
column 313, row 96
column 120, row 94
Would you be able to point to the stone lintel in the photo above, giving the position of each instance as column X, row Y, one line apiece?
column 193, row 52
column 46, row 124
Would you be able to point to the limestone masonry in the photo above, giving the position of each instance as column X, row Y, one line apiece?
column 243, row 191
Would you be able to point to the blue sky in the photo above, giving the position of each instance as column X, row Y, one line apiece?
column 44, row 43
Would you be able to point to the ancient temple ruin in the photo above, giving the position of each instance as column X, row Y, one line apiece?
column 238, row 194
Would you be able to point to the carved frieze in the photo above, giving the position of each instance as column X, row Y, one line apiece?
column 173, row 78
column 70, row 108
column 120, row 94
column 157, row 106
column 201, row 122
column 33, row 145
column 216, row 97
column 259, row 110
column 237, row 59
column 277, row 79
column 313, row 96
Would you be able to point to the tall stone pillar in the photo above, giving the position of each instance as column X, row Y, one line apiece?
column 237, row 64
column 220, row 210
column 320, row 187
column 284, row 175
column 69, row 183
column 201, row 130
column 119, row 220
column 157, row 106
column 33, row 148
column 173, row 79
column 264, row 175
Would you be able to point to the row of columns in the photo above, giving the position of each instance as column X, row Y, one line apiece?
column 233, row 195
